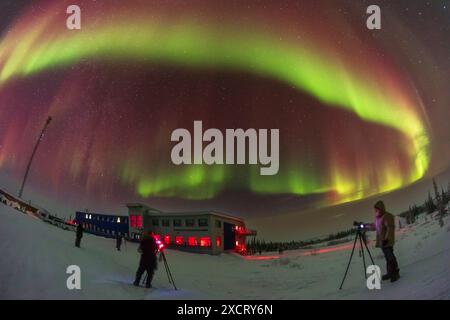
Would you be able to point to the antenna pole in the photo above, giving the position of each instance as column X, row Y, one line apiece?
column 49, row 119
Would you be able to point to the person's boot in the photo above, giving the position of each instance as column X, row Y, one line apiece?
column 395, row 276
column 137, row 281
column 386, row 277
column 389, row 272
column 148, row 284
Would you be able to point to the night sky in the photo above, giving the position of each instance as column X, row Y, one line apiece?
column 360, row 112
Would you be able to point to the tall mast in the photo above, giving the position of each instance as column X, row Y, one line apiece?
column 49, row 119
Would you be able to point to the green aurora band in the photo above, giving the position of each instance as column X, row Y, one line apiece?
column 188, row 44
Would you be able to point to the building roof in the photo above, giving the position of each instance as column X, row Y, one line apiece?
column 100, row 214
column 197, row 213
column 139, row 205
column 184, row 213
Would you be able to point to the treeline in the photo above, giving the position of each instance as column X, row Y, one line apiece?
column 431, row 204
column 255, row 246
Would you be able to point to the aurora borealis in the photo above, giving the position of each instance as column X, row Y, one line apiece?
column 353, row 122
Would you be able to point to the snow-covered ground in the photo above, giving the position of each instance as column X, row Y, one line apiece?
column 34, row 257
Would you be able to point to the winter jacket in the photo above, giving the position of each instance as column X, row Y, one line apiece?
column 148, row 249
column 385, row 230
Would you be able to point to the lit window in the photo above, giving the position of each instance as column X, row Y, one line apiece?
column 167, row 239
column 218, row 241
column 139, row 222
column 133, row 221
column 179, row 241
column 118, row 220
column 87, row 216
column 192, row 241
column 205, row 242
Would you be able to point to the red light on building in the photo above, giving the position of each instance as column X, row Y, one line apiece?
column 167, row 239
column 192, row 241
column 133, row 221
column 218, row 241
column 240, row 248
column 205, row 242
column 139, row 222
column 157, row 237
column 179, row 241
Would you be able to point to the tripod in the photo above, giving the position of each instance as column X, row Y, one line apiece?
column 166, row 266
column 362, row 242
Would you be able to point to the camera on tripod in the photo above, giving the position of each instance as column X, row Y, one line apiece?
column 360, row 225
column 159, row 244
column 360, row 237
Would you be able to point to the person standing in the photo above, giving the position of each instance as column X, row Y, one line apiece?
column 79, row 235
column 118, row 241
column 147, row 262
column 384, row 226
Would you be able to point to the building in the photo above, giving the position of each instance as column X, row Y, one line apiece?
column 19, row 204
column 108, row 226
column 198, row 231
column 33, row 210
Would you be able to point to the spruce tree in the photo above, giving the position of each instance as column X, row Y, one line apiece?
column 445, row 196
column 429, row 204
column 409, row 217
column 439, row 204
